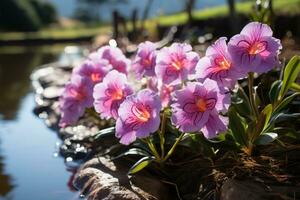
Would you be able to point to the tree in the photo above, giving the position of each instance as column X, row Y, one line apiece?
column 189, row 8
column 18, row 16
column 232, row 16
column 45, row 11
column 95, row 5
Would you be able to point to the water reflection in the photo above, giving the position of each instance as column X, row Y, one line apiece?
column 15, row 69
column 5, row 180
column 28, row 169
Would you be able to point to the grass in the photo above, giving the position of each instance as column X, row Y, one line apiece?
column 56, row 33
column 280, row 6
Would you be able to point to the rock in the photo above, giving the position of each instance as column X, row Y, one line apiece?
column 102, row 178
column 239, row 190
column 250, row 190
column 52, row 92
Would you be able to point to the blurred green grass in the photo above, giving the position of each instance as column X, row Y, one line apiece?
column 280, row 7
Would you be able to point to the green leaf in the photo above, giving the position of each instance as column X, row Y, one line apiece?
column 267, row 112
column 295, row 87
column 241, row 103
column 274, row 91
column 291, row 72
column 238, row 126
column 266, row 138
column 133, row 151
column 141, row 164
column 288, row 132
column 105, row 132
column 281, row 117
column 285, row 102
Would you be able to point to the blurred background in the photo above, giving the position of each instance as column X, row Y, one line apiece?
column 37, row 32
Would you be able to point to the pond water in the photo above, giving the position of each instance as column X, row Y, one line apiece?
column 28, row 167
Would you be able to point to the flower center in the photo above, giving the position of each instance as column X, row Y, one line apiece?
column 77, row 95
column 223, row 63
column 177, row 64
column 118, row 94
column 147, row 61
column 141, row 113
column 201, row 105
column 257, row 47
column 96, row 77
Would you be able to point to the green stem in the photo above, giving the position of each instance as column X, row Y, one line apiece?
column 173, row 147
column 153, row 149
column 251, row 94
column 162, row 133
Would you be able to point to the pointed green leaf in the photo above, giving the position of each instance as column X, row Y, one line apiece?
column 241, row 102
column 133, row 151
column 266, row 138
column 267, row 112
column 274, row 91
column 238, row 126
column 291, row 72
column 105, row 132
column 295, row 87
column 281, row 117
column 141, row 164
column 285, row 102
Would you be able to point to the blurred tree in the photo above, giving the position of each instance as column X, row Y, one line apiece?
column 82, row 14
column 232, row 16
column 45, row 10
column 231, row 5
column 18, row 15
column 146, row 13
column 189, row 8
column 25, row 15
column 94, row 5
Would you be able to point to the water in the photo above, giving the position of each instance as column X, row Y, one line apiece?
column 67, row 7
column 28, row 167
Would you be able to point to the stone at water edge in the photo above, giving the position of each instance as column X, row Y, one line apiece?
column 101, row 178
column 249, row 190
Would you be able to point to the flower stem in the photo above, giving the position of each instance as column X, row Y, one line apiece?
column 162, row 133
column 173, row 147
column 153, row 149
column 251, row 94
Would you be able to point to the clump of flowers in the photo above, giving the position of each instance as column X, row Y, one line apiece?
column 183, row 94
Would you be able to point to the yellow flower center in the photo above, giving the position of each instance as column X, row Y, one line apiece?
column 147, row 61
column 256, row 48
column 224, row 64
column 95, row 77
column 77, row 95
column 118, row 94
column 142, row 113
column 177, row 64
column 201, row 105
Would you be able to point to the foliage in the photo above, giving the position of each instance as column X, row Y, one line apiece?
column 25, row 15
column 45, row 11
column 18, row 15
